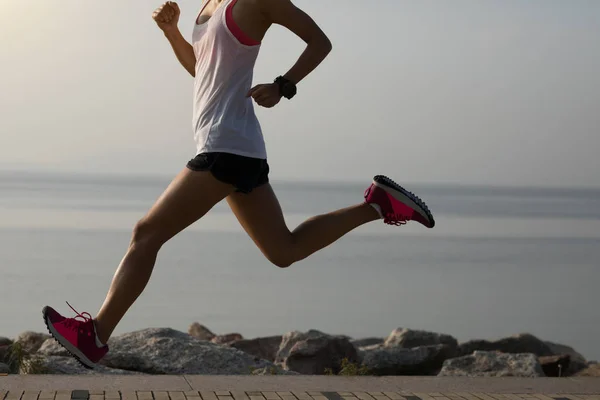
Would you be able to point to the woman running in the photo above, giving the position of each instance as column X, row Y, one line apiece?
column 231, row 161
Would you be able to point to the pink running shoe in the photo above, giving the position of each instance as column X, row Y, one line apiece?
column 78, row 337
column 397, row 205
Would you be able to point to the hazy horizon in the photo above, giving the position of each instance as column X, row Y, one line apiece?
column 472, row 92
column 90, row 177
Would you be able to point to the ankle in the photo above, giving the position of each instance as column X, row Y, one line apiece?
column 374, row 210
column 101, row 337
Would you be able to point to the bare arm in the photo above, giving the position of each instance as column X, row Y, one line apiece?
column 167, row 17
column 183, row 50
column 318, row 46
column 285, row 13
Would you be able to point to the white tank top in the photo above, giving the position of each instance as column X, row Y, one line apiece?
column 224, row 118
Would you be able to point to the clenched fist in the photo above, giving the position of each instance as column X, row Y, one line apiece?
column 267, row 95
column 167, row 16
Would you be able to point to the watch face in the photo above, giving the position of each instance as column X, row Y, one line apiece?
column 289, row 89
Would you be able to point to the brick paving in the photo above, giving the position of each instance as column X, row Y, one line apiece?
column 164, row 387
column 275, row 395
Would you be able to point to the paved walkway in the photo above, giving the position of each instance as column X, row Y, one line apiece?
column 162, row 387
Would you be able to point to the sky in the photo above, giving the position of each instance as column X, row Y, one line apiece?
column 497, row 92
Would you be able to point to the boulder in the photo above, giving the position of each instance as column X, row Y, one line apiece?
column 493, row 364
column 591, row 370
column 4, row 353
column 275, row 370
column 30, row 342
column 50, row 347
column 56, row 365
column 200, row 332
column 517, row 344
column 358, row 343
column 227, row 339
column 408, row 339
column 422, row 361
column 4, row 369
column 576, row 361
column 555, row 366
column 167, row 351
column 5, row 344
column 290, row 339
column 265, row 348
column 316, row 355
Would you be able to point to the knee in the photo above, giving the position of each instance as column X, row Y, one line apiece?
column 282, row 253
column 281, row 260
column 146, row 236
column 282, row 264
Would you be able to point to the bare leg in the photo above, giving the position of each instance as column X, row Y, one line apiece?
column 260, row 215
column 189, row 197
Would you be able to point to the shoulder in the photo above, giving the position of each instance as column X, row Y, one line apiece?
column 274, row 9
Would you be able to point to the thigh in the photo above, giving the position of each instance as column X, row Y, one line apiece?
column 260, row 214
column 187, row 198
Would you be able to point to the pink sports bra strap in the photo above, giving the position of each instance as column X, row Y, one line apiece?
column 236, row 30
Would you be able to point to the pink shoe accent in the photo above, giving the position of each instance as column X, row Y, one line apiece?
column 396, row 205
column 78, row 337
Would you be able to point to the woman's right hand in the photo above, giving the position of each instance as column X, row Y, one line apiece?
column 167, row 16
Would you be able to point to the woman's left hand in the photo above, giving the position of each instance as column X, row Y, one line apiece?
column 266, row 95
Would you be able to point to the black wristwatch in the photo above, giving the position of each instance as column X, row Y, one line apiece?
column 287, row 88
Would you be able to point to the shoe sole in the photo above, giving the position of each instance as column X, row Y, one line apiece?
column 72, row 350
column 406, row 197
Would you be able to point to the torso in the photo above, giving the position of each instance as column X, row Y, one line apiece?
column 226, row 43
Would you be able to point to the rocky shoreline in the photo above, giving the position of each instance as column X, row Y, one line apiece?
column 201, row 352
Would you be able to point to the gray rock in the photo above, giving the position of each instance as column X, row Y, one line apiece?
column 290, row 339
column 50, row 347
column 200, row 332
column 4, row 353
column 227, row 339
column 517, row 344
column 167, row 351
column 55, row 365
column 4, row 369
column 265, row 348
column 316, row 355
column 313, row 351
column 31, row 341
column 408, row 339
column 591, row 370
column 493, row 364
column 577, row 361
column 423, row 360
column 275, row 370
column 555, row 366
column 559, row 349
column 5, row 344
column 358, row 343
